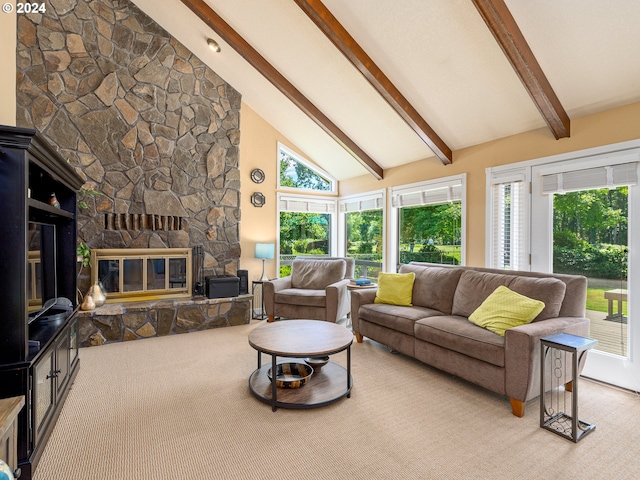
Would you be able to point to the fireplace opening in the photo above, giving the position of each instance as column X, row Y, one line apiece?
column 143, row 273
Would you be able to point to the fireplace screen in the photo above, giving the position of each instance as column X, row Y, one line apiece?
column 149, row 273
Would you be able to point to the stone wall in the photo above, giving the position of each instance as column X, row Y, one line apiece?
column 132, row 321
column 143, row 120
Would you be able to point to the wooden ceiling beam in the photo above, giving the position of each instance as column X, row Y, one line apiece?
column 251, row 55
column 340, row 37
column 508, row 35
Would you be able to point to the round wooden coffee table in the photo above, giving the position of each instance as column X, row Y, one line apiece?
column 299, row 339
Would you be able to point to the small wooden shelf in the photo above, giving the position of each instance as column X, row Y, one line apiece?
column 48, row 209
column 324, row 387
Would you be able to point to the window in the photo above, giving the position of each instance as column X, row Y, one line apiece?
column 363, row 226
column 132, row 274
column 430, row 221
column 298, row 173
column 508, row 219
column 306, row 228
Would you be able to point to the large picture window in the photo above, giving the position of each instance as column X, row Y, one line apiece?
column 430, row 221
column 307, row 226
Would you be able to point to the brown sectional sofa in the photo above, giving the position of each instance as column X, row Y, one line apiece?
column 436, row 330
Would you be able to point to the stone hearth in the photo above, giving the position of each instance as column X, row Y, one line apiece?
column 118, row 322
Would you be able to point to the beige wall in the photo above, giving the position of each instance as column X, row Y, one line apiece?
column 8, row 70
column 258, row 149
column 612, row 126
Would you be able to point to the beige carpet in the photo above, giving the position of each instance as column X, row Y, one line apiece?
column 180, row 407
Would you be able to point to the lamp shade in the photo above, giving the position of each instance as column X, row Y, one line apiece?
column 265, row 250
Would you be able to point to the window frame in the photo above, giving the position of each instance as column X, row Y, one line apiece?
column 377, row 195
column 495, row 177
column 311, row 166
column 425, row 187
column 331, row 208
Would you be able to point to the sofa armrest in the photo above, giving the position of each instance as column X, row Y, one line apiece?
column 337, row 300
column 269, row 290
column 522, row 353
column 358, row 298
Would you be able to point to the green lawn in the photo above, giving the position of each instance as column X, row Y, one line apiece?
column 597, row 302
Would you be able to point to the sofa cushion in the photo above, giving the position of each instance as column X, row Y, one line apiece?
column 474, row 287
column 317, row 273
column 395, row 317
column 550, row 291
column 300, row 296
column 456, row 333
column 433, row 287
column 505, row 309
column 395, row 288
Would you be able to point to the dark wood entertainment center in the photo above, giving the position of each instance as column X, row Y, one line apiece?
column 38, row 356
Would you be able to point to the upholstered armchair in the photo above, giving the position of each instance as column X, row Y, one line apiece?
column 315, row 290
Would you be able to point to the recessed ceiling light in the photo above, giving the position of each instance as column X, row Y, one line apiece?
column 213, row 45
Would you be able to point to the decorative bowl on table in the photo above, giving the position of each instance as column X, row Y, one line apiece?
column 317, row 362
column 291, row 374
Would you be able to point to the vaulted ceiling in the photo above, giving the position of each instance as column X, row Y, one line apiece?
column 365, row 85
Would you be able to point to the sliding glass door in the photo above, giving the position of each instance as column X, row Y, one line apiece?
column 590, row 238
column 585, row 215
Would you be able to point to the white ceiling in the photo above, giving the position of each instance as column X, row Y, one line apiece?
column 438, row 53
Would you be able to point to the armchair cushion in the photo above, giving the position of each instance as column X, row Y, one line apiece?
column 316, row 274
column 299, row 296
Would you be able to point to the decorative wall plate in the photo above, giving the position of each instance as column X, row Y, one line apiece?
column 257, row 175
column 257, row 199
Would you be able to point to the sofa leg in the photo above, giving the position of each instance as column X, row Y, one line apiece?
column 271, row 318
column 569, row 386
column 517, row 407
column 358, row 337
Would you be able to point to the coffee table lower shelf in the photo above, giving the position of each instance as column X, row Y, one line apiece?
column 323, row 388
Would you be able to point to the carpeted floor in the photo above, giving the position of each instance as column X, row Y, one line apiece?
column 180, row 407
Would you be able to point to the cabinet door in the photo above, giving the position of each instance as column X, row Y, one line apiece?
column 62, row 361
column 73, row 342
column 43, row 393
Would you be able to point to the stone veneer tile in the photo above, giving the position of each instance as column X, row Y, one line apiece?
column 130, row 95
column 161, row 318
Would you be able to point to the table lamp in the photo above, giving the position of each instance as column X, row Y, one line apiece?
column 264, row 251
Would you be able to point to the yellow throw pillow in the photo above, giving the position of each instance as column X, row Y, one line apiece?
column 505, row 309
column 395, row 288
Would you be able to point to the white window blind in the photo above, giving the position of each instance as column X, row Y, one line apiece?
column 608, row 176
column 291, row 203
column 428, row 193
column 509, row 236
column 362, row 203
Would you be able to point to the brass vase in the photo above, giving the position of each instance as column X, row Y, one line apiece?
column 98, row 295
column 88, row 303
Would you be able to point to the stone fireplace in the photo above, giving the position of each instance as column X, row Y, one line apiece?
column 152, row 130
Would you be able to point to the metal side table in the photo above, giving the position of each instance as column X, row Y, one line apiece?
column 560, row 357
column 254, row 314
